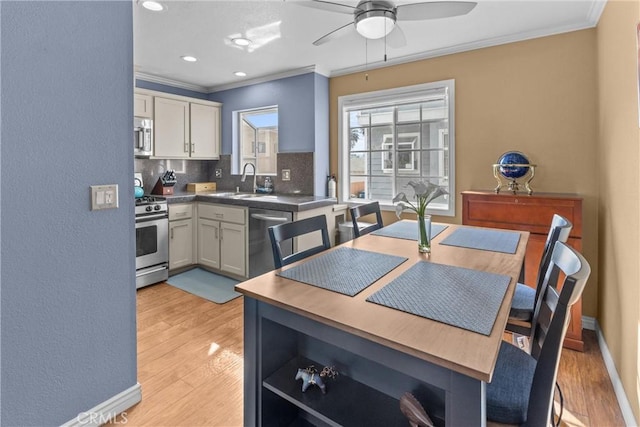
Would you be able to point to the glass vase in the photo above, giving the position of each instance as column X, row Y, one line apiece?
column 424, row 234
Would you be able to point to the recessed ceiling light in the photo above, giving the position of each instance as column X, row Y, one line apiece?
column 152, row 5
column 240, row 41
column 240, row 74
column 189, row 58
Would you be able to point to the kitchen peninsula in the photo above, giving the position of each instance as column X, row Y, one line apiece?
column 227, row 231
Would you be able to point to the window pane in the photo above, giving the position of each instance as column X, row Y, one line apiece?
column 266, row 151
column 435, row 134
column 435, row 163
column 381, row 188
column 408, row 163
column 359, row 163
column 409, row 113
column 357, row 185
column 381, row 135
column 382, row 162
column 359, row 118
column 248, row 139
column 434, row 109
column 359, row 139
column 381, row 115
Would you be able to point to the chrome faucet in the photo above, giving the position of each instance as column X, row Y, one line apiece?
column 244, row 174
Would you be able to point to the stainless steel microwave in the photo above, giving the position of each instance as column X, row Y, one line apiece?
column 142, row 137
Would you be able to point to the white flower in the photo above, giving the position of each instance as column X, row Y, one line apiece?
column 424, row 193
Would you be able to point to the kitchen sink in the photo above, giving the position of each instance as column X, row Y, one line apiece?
column 246, row 195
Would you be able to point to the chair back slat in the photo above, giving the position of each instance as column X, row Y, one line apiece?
column 549, row 327
column 558, row 232
column 364, row 210
column 282, row 232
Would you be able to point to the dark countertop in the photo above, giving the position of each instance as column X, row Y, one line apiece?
column 281, row 202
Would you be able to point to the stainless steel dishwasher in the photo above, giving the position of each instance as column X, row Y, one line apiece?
column 260, row 254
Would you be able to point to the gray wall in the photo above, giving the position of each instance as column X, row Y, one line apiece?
column 67, row 275
column 294, row 97
column 303, row 120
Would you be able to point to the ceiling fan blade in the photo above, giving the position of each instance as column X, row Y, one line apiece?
column 433, row 10
column 332, row 35
column 327, row 5
column 396, row 38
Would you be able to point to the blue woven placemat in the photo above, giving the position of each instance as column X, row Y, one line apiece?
column 344, row 270
column 461, row 297
column 485, row 239
column 407, row 230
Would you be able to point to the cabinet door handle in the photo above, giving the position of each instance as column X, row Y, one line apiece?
column 216, row 233
column 193, row 147
column 186, row 146
column 171, row 233
column 219, row 215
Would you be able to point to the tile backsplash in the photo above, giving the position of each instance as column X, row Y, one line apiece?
column 186, row 171
column 300, row 165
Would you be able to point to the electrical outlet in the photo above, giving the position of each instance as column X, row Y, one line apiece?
column 218, row 173
column 286, row 174
column 104, row 197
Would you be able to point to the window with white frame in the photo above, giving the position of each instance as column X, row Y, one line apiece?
column 256, row 140
column 391, row 137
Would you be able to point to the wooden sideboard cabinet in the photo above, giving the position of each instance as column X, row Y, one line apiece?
column 530, row 213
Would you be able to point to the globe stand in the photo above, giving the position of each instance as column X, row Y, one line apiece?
column 512, row 184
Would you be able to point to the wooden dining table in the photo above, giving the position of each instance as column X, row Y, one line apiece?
column 379, row 352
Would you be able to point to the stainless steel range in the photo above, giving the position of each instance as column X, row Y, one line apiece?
column 152, row 240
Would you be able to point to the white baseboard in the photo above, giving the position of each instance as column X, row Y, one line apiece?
column 589, row 323
column 109, row 410
column 618, row 389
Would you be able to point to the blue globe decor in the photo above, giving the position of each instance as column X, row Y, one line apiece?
column 512, row 166
column 507, row 160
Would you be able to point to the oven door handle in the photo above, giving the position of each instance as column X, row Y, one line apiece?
column 152, row 217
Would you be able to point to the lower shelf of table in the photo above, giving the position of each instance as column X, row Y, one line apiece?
column 347, row 402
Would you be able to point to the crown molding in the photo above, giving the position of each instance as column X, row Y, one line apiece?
column 479, row 44
column 267, row 78
column 595, row 12
column 170, row 82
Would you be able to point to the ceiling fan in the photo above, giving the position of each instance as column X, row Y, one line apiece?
column 374, row 19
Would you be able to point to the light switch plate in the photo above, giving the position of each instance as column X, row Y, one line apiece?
column 286, row 174
column 104, row 197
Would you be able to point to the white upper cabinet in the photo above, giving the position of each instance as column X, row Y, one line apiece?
column 142, row 105
column 205, row 131
column 183, row 128
column 171, row 128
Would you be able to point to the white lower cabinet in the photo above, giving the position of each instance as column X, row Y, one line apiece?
column 180, row 235
column 222, row 238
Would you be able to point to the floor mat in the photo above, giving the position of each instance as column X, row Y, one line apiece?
column 205, row 284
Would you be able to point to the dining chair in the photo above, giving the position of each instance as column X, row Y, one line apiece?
column 521, row 390
column 525, row 297
column 289, row 230
column 363, row 210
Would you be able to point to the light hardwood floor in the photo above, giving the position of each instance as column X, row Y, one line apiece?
column 190, row 366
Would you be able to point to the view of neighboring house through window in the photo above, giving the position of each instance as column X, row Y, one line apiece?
column 258, row 139
column 395, row 136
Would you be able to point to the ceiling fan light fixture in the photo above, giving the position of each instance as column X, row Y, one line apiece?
column 375, row 24
column 153, row 6
column 241, row 41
